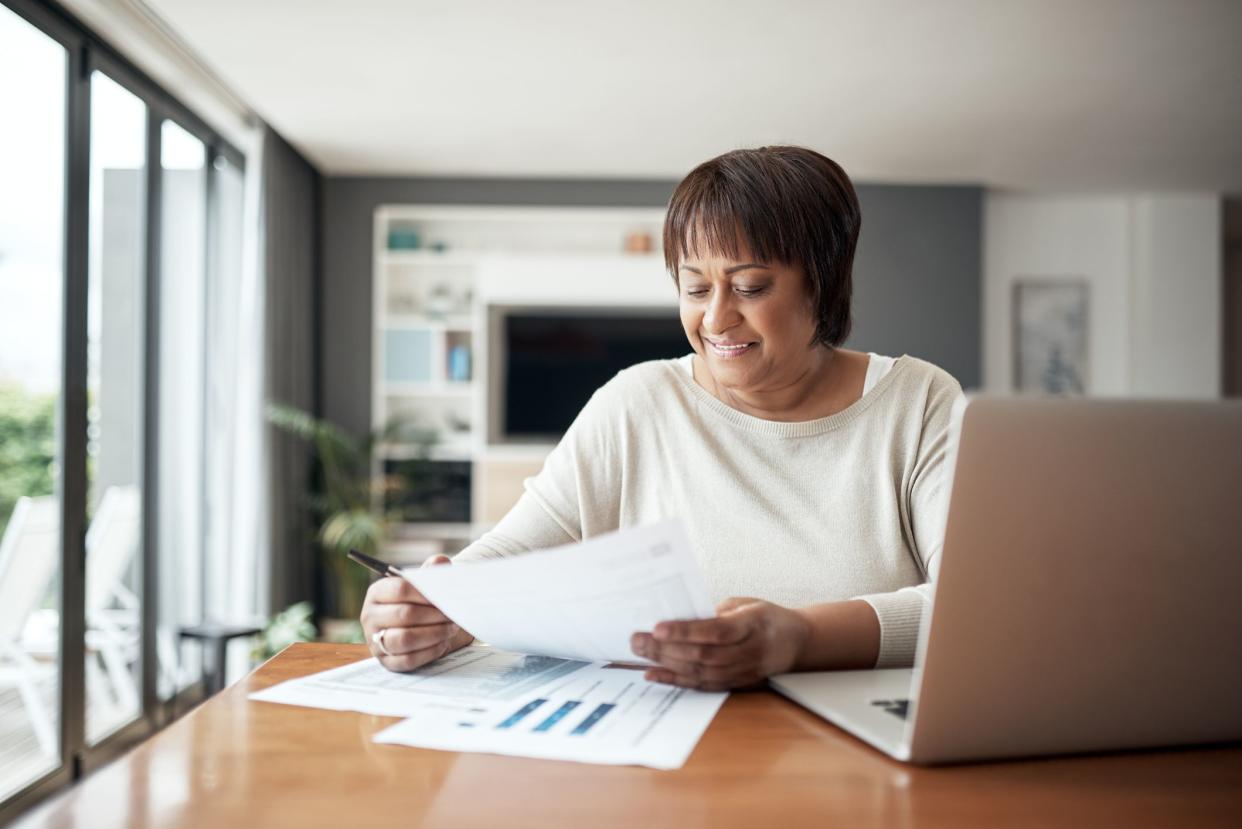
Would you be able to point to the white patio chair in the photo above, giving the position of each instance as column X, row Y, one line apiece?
column 29, row 556
column 114, row 630
column 113, row 612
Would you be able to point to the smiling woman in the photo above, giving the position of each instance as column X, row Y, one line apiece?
column 811, row 478
column 761, row 244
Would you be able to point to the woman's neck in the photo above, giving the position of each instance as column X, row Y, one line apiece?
column 830, row 381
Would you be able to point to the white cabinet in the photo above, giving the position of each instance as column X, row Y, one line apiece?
column 437, row 271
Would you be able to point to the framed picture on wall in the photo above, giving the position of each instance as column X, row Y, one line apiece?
column 1050, row 335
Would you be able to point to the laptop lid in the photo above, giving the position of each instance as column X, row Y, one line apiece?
column 1087, row 593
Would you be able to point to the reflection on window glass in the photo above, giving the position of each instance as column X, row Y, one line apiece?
column 183, row 217
column 115, row 325
column 32, row 160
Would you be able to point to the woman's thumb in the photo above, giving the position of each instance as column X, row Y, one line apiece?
column 434, row 560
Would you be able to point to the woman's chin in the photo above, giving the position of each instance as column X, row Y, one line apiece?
column 735, row 375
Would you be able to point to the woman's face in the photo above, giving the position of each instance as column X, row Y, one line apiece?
column 749, row 321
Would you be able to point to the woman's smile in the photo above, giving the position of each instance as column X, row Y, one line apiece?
column 729, row 349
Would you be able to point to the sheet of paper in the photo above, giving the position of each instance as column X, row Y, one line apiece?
column 599, row 714
column 580, row 601
column 471, row 680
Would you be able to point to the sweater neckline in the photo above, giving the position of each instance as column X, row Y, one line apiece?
column 784, row 428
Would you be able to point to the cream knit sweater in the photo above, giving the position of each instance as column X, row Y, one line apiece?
column 847, row 506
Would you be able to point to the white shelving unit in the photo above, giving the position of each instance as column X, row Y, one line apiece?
column 437, row 269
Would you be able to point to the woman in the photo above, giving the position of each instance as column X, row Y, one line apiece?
column 811, row 478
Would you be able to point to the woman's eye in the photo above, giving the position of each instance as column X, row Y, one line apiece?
column 696, row 291
column 750, row 291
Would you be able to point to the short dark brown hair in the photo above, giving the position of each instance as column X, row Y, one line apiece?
column 791, row 205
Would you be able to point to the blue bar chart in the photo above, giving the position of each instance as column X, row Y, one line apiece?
column 592, row 718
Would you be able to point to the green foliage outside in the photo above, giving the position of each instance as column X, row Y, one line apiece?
column 27, row 447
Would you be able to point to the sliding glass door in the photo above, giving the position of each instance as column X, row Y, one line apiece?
column 33, row 70
column 183, row 262
column 116, row 202
column 116, row 315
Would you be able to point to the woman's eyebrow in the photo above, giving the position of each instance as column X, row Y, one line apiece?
column 733, row 269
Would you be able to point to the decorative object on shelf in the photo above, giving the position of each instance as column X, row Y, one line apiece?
column 404, row 238
column 403, row 303
column 439, row 246
column 344, row 503
column 456, row 424
column 440, row 301
column 1050, row 335
column 459, row 364
column 639, row 242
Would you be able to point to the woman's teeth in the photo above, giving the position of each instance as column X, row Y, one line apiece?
column 730, row 350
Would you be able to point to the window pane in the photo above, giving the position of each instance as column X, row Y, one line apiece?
column 115, row 327
column 32, row 164
column 226, row 373
column 183, row 216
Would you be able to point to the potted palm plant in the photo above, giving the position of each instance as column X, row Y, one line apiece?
column 349, row 504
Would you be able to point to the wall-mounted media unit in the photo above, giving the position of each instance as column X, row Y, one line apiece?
column 547, row 361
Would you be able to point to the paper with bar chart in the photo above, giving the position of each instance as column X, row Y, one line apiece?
column 580, row 601
column 471, row 679
column 598, row 714
column 545, row 686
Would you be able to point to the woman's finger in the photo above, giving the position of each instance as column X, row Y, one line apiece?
column 415, row 659
column 710, row 680
column 393, row 590
column 404, row 615
column 411, row 640
column 645, row 645
column 721, row 630
column 703, row 675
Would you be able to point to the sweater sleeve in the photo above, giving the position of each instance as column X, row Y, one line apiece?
column 576, row 494
column 900, row 612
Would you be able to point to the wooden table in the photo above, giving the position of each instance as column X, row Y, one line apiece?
column 764, row 762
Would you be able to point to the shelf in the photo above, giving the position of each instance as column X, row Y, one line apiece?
column 455, row 450
column 450, row 322
column 463, row 388
column 516, row 451
column 502, row 255
column 446, row 259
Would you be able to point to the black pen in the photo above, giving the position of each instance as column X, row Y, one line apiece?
column 379, row 568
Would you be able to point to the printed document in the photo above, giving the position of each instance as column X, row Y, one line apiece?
column 581, row 601
column 543, row 687
column 468, row 679
column 599, row 714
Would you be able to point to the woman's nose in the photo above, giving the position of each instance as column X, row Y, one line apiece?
column 721, row 313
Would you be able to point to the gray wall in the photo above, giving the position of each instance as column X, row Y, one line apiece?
column 917, row 272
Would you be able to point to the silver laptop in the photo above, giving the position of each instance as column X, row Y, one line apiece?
column 1089, row 593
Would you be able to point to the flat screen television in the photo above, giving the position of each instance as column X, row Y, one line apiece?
column 546, row 362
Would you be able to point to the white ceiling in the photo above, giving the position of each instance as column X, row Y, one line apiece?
column 1055, row 94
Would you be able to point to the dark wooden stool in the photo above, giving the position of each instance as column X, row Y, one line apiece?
column 214, row 638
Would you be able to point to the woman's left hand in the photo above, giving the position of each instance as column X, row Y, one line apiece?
column 747, row 641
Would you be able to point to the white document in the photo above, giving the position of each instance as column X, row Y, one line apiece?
column 471, row 679
column 580, row 601
column 599, row 714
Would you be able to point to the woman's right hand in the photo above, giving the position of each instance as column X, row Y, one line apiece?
column 415, row 631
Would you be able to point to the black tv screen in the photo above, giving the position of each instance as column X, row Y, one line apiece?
column 555, row 359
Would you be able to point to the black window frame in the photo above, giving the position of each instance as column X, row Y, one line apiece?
column 86, row 53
